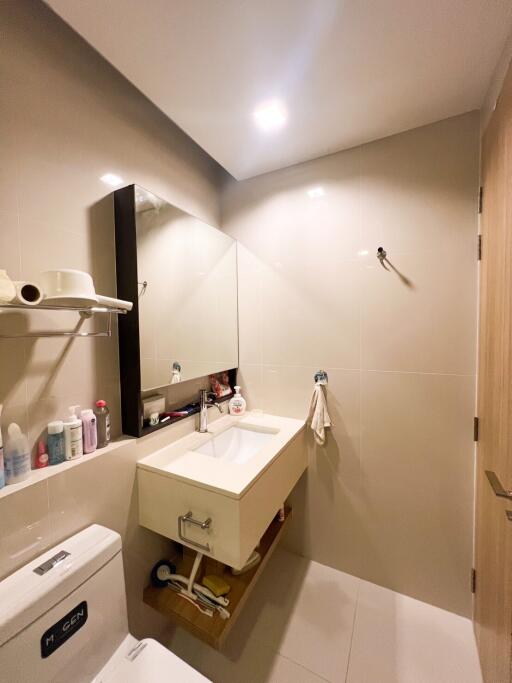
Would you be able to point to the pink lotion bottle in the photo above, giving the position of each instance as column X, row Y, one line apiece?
column 89, row 432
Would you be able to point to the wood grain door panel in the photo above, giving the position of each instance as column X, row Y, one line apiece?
column 493, row 534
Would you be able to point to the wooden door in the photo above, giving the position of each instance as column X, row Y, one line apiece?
column 493, row 552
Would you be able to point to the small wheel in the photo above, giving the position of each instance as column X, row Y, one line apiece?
column 161, row 573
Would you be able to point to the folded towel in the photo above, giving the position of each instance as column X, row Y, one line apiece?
column 318, row 414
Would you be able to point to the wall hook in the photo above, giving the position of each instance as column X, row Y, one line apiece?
column 321, row 377
column 381, row 254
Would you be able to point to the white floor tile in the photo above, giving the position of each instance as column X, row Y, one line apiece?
column 251, row 663
column 401, row 640
column 307, row 623
column 305, row 611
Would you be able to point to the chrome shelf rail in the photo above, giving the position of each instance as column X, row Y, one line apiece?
column 84, row 313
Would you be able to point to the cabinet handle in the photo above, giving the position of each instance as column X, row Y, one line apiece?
column 202, row 525
column 496, row 485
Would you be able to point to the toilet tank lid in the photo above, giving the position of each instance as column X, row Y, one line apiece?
column 41, row 584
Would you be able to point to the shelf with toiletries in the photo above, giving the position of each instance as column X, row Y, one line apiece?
column 82, row 433
column 192, row 409
column 60, row 290
column 38, row 475
column 171, row 416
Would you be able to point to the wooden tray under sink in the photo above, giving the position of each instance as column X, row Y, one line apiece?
column 214, row 630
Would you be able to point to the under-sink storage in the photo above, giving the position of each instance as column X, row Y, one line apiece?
column 221, row 507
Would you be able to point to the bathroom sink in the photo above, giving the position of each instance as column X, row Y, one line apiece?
column 238, row 444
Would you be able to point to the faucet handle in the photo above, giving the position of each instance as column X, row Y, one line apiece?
column 206, row 395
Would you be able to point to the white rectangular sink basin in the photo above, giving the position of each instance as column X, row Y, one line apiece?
column 237, row 445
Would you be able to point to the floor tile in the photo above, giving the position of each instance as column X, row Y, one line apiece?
column 296, row 626
column 252, row 662
column 307, row 623
column 401, row 640
column 305, row 611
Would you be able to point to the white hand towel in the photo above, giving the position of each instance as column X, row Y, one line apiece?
column 318, row 414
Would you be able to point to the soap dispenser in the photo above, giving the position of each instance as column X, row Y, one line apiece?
column 237, row 403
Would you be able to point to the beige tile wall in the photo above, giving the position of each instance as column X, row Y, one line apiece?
column 390, row 496
column 66, row 118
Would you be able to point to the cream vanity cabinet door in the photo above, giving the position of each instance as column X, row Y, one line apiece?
column 164, row 500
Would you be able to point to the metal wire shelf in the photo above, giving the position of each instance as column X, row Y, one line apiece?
column 85, row 313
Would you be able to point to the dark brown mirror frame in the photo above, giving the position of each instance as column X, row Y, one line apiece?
column 129, row 339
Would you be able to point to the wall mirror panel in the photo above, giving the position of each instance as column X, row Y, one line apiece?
column 181, row 274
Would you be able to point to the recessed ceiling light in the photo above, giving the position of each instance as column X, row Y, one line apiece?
column 112, row 179
column 315, row 192
column 270, row 115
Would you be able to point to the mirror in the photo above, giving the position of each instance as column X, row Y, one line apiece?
column 181, row 274
column 186, row 270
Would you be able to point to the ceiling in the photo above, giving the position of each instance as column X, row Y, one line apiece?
column 347, row 71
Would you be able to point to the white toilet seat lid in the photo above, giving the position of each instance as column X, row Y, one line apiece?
column 150, row 662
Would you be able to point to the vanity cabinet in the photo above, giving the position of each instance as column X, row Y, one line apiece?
column 225, row 526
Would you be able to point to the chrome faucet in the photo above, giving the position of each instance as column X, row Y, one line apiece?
column 204, row 404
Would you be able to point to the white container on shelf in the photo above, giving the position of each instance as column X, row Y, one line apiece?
column 73, row 434
column 17, row 455
column 7, row 288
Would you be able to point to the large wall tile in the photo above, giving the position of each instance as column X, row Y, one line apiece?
column 26, row 529
column 417, row 462
column 13, row 381
column 10, row 244
column 425, row 325
column 419, row 190
column 304, row 310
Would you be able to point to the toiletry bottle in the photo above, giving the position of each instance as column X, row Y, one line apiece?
column 16, row 456
column 73, row 435
column 102, row 423
column 237, row 403
column 2, row 473
column 89, row 430
column 56, row 443
column 42, row 455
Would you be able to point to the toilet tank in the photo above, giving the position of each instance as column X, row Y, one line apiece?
column 64, row 614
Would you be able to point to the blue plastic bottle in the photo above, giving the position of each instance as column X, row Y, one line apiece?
column 56, row 445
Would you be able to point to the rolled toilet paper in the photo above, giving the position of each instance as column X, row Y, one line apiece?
column 27, row 293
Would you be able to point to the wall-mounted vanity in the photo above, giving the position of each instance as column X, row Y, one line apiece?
column 236, row 477
column 181, row 275
column 216, row 493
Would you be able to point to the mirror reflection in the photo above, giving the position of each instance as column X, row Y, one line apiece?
column 187, row 275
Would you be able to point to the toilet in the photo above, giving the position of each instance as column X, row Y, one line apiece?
column 63, row 618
